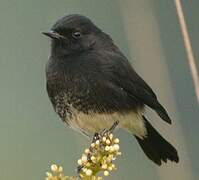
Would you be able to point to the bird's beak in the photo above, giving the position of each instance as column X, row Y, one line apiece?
column 54, row 35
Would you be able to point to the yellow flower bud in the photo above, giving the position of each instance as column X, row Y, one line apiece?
column 89, row 172
column 54, row 167
column 104, row 166
column 113, row 166
column 104, row 139
column 108, row 141
column 110, row 168
column 116, row 141
column 87, row 151
column 84, row 158
column 108, row 159
column 111, row 149
column 60, row 169
column 111, row 136
column 84, row 170
column 93, row 158
column 106, row 173
column 116, row 147
column 97, row 142
column 79, row 162
column 107, row 148
column 49, row 174
column 93, row 145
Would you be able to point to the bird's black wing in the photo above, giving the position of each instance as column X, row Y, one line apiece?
column 120, row 72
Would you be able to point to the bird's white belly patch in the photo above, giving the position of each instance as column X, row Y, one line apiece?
column 95, row 122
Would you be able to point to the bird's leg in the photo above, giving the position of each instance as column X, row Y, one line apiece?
column 97, row 136
column 105, row 131
column 110, row 130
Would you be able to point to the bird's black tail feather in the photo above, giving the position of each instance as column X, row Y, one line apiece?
column 162, row 113
column 156, row 147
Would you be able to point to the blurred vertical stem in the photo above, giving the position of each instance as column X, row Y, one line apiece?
column 188, row 47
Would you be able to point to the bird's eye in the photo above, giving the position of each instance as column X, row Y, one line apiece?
column 76, row 35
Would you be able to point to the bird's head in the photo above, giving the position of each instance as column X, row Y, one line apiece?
column 73, row 34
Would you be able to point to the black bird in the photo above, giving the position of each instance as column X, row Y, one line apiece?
column 91, row 84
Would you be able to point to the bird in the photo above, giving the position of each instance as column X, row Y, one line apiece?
column 91, row 84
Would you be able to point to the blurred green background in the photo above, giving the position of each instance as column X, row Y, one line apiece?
column 32, row 136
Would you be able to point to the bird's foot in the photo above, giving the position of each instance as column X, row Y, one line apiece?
column 97, row 136
column 109, row 130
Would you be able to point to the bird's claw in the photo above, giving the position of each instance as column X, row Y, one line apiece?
column 96, row 137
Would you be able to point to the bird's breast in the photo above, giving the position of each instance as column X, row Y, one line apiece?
column 90, row 121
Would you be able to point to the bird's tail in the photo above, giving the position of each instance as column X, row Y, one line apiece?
column 156, row 147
